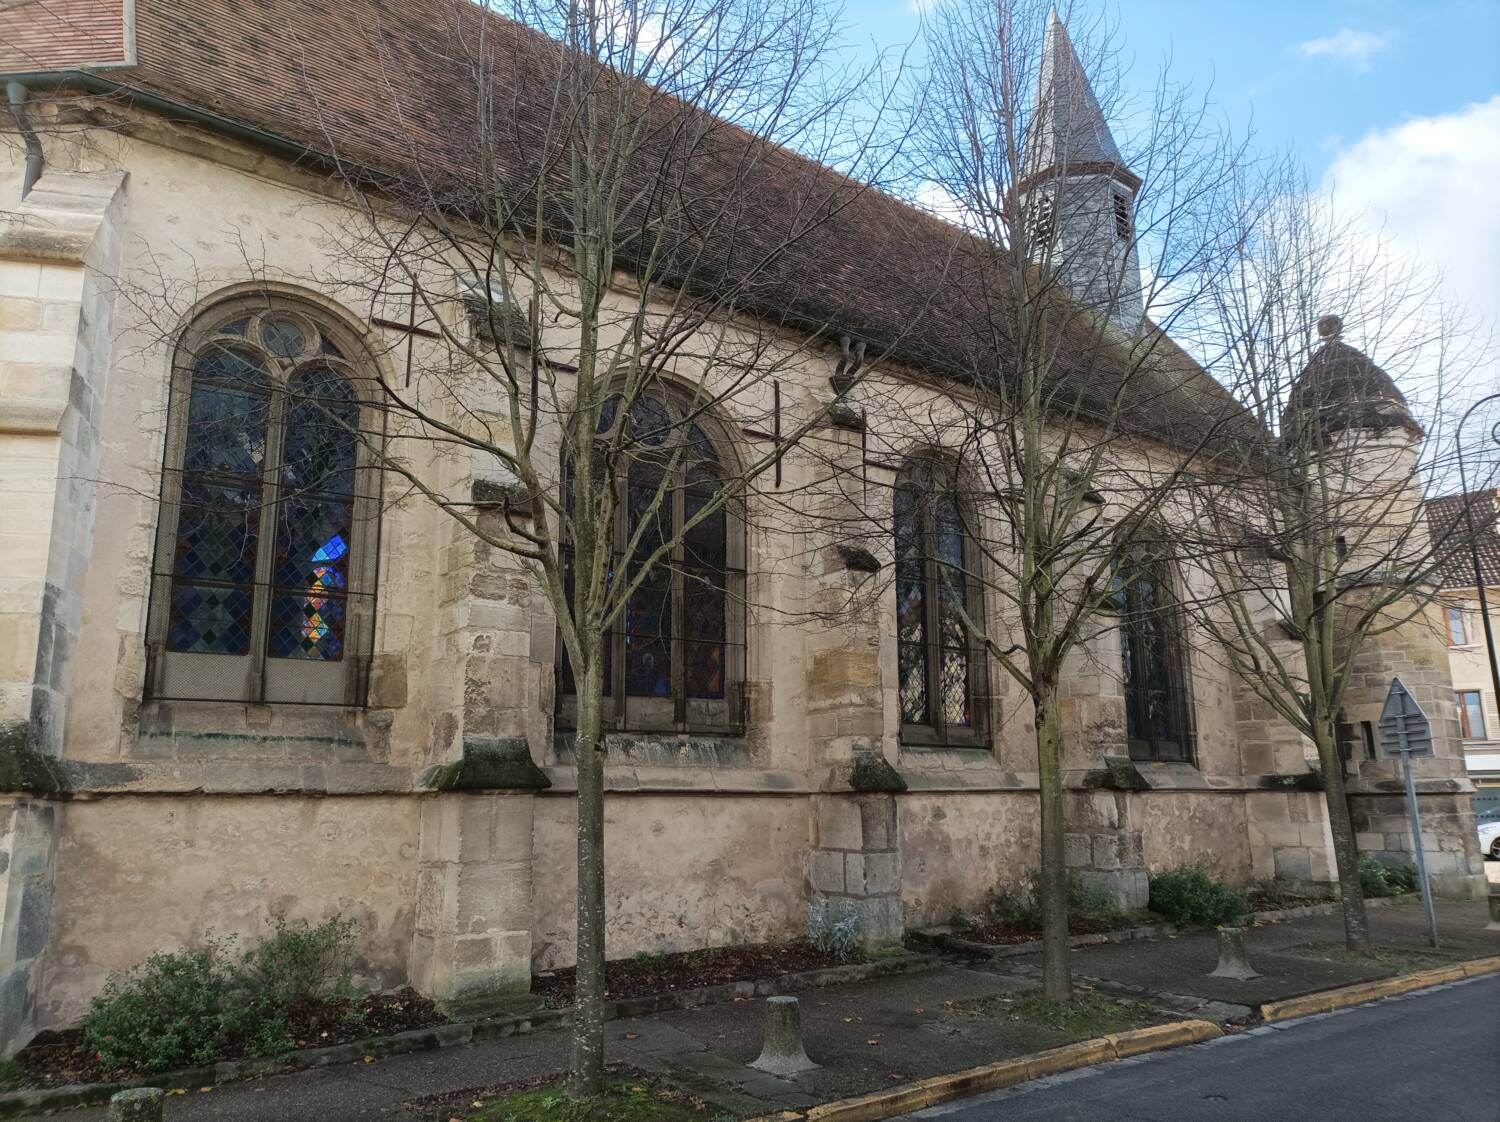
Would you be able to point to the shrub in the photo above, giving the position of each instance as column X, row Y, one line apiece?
column 1192, row 895
column 173, row 1010
column 302, row 965
column 834, row 928
column 1379, row 879
column 1021, row 906
column 192, row 1006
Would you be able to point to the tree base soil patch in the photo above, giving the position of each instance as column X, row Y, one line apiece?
column 629, row 1096
column 645, row 975
column 1004, row 933
column 58, row 1058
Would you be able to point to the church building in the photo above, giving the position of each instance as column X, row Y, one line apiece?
column 339, row 702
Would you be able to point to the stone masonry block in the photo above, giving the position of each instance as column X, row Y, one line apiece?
column 854, row 874
column 839, row 824
column 1078, row 851
column 1293, row 864
column 882, row 873
column 878, row 822
column 826, row 871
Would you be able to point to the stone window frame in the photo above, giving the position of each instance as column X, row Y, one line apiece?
column 937, row 733
column 713, row 717
column 187, row 677
column 1184, row 747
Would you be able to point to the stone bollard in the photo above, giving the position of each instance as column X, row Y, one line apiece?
column 783, row 1053
column 1494, row 923
column 140, row 1104
column 1233, row 962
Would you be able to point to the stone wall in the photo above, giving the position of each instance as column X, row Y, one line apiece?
column 681, row 871
column 140, row 874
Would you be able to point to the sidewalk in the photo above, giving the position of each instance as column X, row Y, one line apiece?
column 867, row 1035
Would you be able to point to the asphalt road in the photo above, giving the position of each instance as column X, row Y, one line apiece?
column 1430, row 1057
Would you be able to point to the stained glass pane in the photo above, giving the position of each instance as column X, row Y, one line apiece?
column 954, row 683
column 649, row 505
column 700, row 447
column 226, row 432
column 607, row 413
column 282, row 337
column 307, row 625
column 321, row 441
column 217, row 533
column 913, row 684
column 911, row 625
column 568, row 682
column 229, row 365
column 235, row 328
column 650, row 423
column 206, row 620
column 706, row 544
column 311, row 576
column 648, row 646
column 704, row 621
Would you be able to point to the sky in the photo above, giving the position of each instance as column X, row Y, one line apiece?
column 1392, row 105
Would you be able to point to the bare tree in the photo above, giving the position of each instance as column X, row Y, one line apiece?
column 1313, row 538
column 1073, row 416
column 603, row 242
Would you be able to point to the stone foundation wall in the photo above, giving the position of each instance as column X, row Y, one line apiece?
column 958, row 847
column 1382, row 829
column 140, row 874
column 682, row 872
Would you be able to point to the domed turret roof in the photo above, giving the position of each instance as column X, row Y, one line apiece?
column 1343, row 389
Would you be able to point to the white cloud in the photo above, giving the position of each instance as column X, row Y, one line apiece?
column 1352, row 48
column 1428, row 185
column 1430, row 182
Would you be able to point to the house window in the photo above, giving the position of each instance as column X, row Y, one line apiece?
column 940, row 666
column 1156, row 711
column 1458, row 627
column 263, row 582
column 1471, row 714
column 674, row 658
column 1122, row 217
column 1043, row 222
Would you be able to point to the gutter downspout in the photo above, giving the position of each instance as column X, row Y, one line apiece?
column 16, row 94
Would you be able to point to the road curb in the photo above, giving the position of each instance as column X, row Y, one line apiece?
column 1007, row 1073
column 1328, row 1001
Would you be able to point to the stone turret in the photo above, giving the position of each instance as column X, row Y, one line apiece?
column 1370, row 447
column 1077, row 195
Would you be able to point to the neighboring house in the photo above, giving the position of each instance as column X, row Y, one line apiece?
column 208, row 716
column 1468, row 655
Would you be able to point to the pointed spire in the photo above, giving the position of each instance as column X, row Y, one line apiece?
column 1070, row 126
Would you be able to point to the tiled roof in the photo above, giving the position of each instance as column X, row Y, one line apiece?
column 1446, row 518
column 379, row 84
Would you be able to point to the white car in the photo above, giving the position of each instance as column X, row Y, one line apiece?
column 1489, row 839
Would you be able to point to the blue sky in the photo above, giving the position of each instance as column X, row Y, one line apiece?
column 1319, row 75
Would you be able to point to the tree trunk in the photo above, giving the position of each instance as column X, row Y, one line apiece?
column 587, row 1074
column 1345, row 852
column 1057, row 981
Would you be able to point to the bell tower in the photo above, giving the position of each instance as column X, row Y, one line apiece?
column 1077, row 195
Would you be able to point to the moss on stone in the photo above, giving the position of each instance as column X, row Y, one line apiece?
column 874, row 773
column 489, row 765
column 1116, row 775
column 24, row 769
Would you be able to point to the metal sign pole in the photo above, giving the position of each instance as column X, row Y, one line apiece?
column 1416, row 840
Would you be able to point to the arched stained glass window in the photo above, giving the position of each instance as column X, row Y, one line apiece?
column 1156, row 703
column 263, row 584
column 674, row 661
column 940, row 667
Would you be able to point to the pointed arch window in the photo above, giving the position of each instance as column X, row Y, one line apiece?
column 674, row 661
column 939, row 665
column 263, row 581
column 1152, row 661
